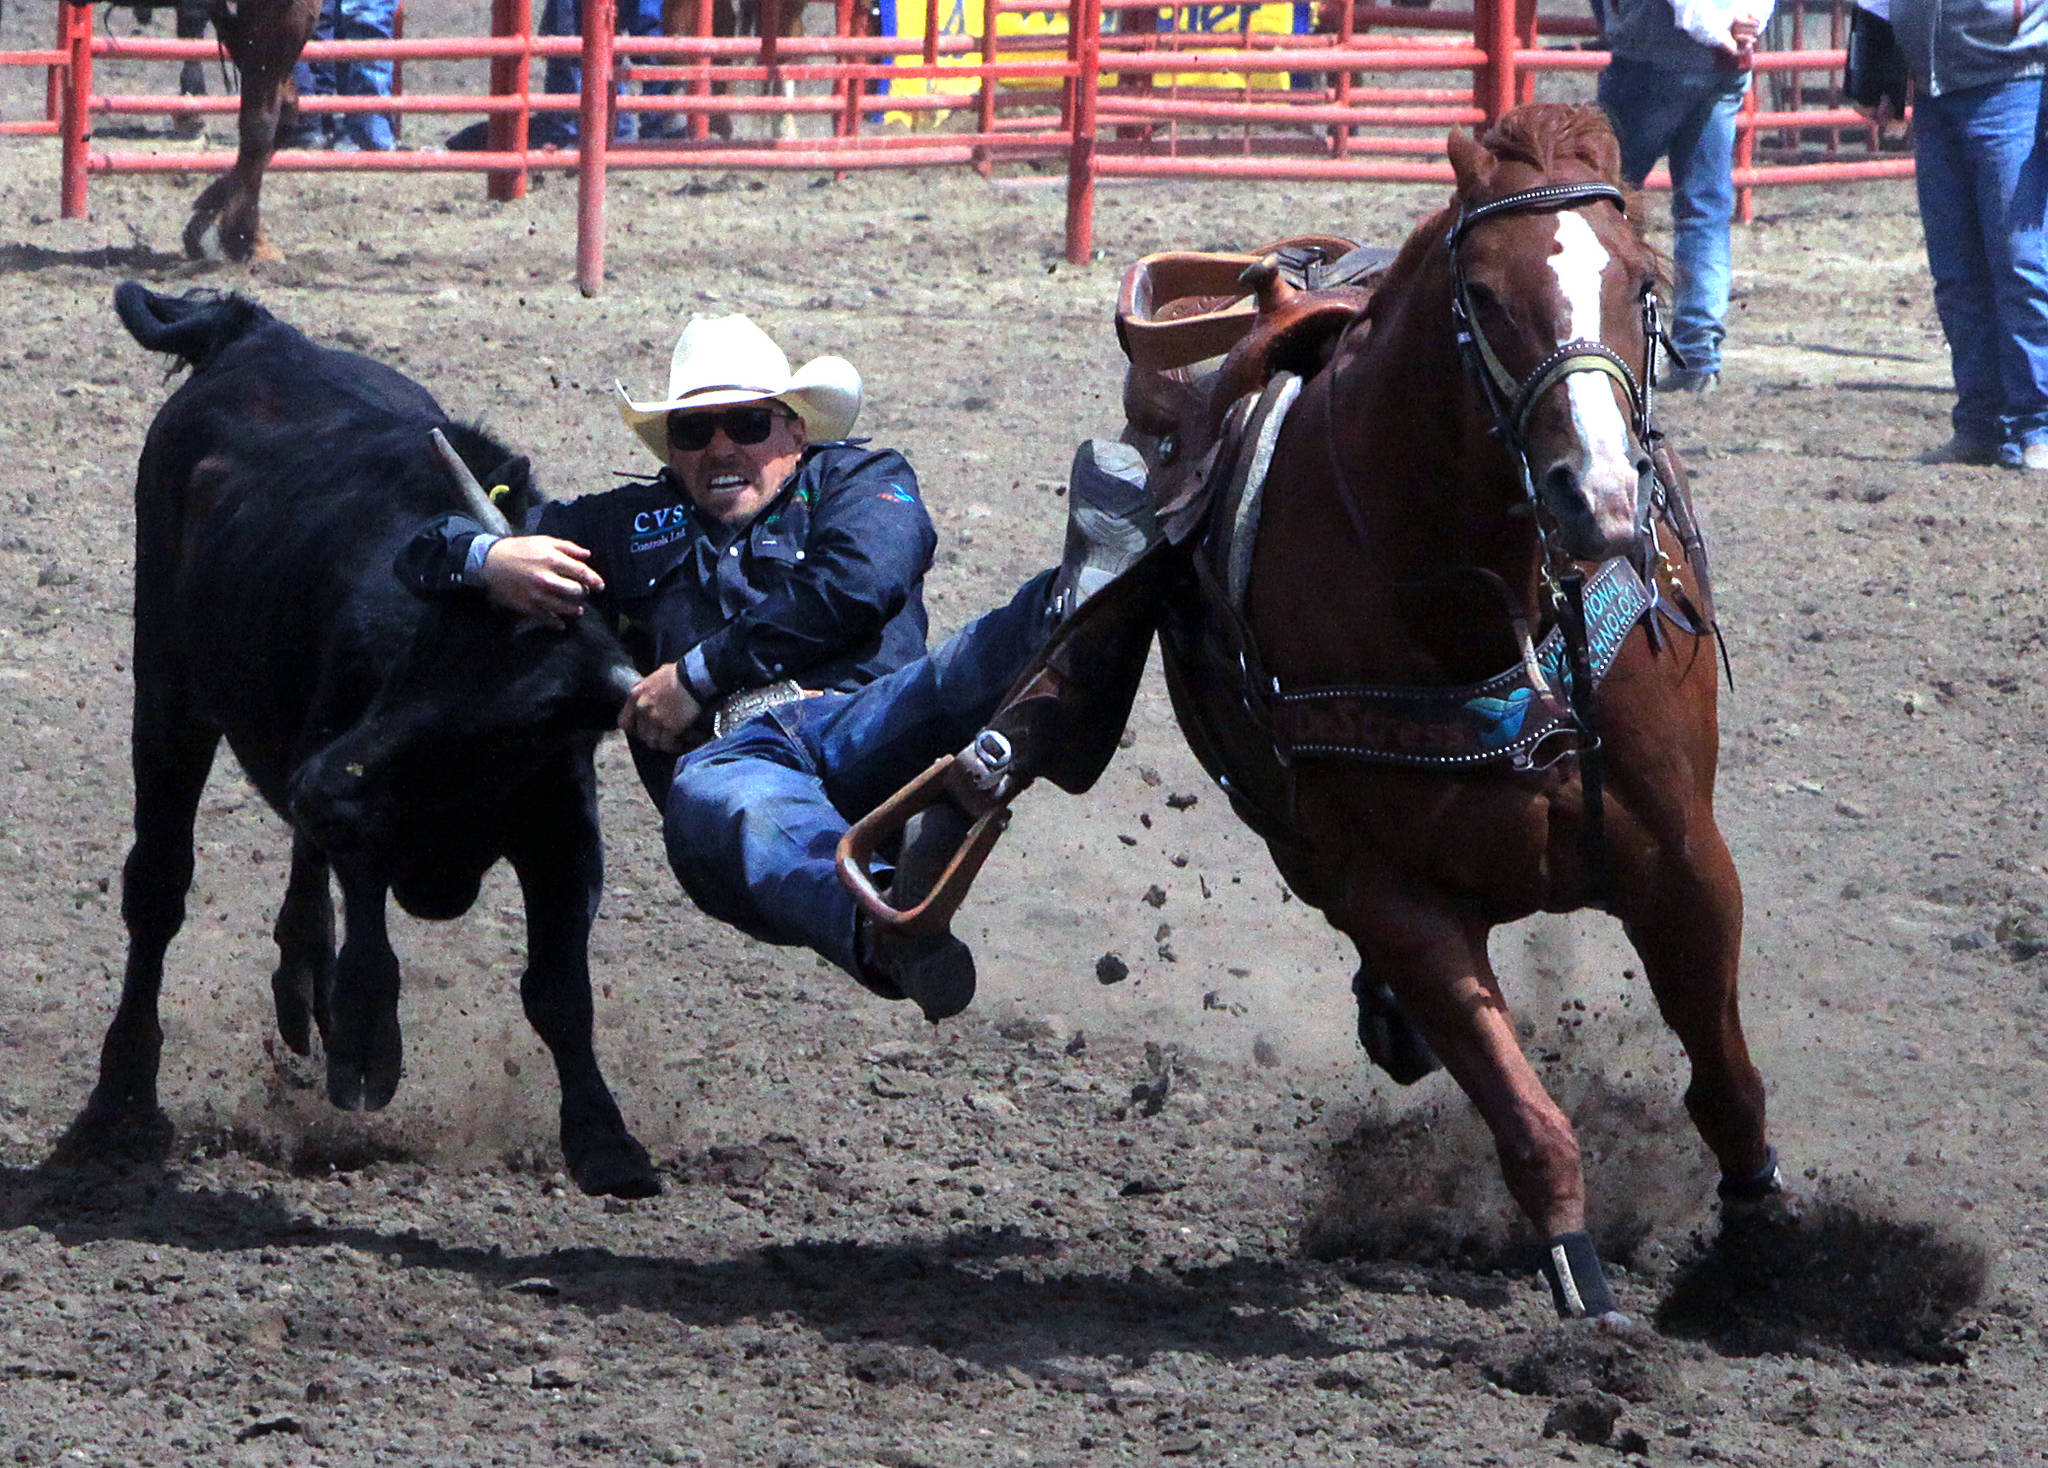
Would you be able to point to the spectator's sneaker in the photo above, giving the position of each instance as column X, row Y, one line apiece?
column 1110, row 521
column 1960, row 450
column 1689, row 379
column 2025, row 456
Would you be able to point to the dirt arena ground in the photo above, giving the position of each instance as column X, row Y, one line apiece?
column 1170, row 1218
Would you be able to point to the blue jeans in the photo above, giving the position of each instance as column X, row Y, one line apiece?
column 1982, row 157
column 562, row 74
column 352, row 20
column 1688, row 117
column 753, row 820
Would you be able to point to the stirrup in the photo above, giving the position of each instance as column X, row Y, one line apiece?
column 977, row 782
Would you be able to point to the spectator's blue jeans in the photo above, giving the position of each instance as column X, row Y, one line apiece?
column 562, row 74
column 1982, row 157
column 1688, row 117
column 754, row 819
column 353, row 20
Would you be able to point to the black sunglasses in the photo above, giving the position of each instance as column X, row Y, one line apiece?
column 691, row 432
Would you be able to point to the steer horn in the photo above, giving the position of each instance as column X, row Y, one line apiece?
column 480, row 507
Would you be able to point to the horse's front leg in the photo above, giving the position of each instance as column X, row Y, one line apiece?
column 1432, row 956
column 265, row 40
column 1683, row 913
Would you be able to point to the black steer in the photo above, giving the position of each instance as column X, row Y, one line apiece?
column 410, row 745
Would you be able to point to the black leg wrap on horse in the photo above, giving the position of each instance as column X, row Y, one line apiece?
column 1760, row 1185
column 1577, row 1285
column 1390, row 1038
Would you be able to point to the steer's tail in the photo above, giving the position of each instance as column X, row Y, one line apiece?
column 194, row 326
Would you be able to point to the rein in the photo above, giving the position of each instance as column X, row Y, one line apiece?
column 1511, row 402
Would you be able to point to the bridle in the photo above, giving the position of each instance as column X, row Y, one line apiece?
column 1510, row 400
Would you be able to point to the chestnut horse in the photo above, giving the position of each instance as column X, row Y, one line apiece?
column 744, row 18
column 1484, row 434
column 1469, row 670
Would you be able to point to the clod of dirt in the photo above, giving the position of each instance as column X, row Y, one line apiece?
column 1576, row 1358
column 1111, row 969
column 1181, row 801
column 1155, row 895
column 1836, row 1279
column 559, row 1373
column 1586, row 1417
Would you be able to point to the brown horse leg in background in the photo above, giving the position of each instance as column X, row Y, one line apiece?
column 682, row 18
column 264, row 38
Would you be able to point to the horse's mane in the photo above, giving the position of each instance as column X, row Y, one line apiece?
column 1551, row 137
column 1560, row 142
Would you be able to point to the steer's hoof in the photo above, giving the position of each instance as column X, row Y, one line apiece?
column 369, row 1084
column 620, row 1169
column 110, row 1132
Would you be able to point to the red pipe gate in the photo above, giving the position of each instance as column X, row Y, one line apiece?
column 1118, row 88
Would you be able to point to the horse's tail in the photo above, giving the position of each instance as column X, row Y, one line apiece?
column 195, row 326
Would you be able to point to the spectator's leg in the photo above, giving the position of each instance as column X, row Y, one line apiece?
column 1702, row 208
column 1948, row 176
column 317, row 130
column 192, row 26
column 366, row 20
column 562, row 18
column 1644, row 109
column 2013, row 149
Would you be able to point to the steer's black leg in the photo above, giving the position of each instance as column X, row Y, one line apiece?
column 172, row 756
column 561, row 872
column 364, row 1050
column 305, row 949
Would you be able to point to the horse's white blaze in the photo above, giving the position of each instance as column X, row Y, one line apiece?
column 1606, row 471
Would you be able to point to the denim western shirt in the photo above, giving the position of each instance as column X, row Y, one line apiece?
column 1953, row 45
column 824, row 586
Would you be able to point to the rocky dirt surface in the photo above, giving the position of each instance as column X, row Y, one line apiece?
column 1169, row 1217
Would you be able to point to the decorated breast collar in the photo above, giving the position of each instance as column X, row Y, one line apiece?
column 1502, row 720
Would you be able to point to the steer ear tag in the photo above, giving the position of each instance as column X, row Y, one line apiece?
column 512, row 478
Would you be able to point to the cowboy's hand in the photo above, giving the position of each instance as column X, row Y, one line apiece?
column 660, row 710
column 540, row 576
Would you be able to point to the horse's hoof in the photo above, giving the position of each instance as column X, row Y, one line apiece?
column 618, row 1169
column 202, row 240
column 293, row 999
column 1759, row 1197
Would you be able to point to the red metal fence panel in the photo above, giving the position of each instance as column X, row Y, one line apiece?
column 1117, row 88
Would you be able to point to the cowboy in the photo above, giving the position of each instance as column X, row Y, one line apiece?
column 768, row 582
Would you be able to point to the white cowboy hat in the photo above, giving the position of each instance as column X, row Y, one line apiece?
column 727, row 359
